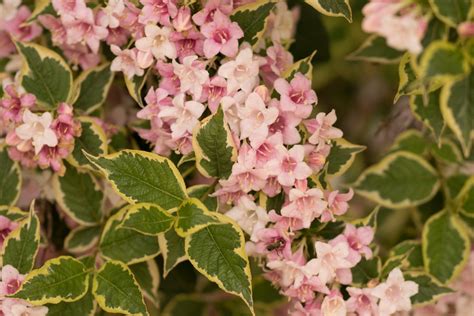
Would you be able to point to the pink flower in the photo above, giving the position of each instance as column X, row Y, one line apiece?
column 241, row 72
column 11, row 280
column 52, row 157
column 159, row 135
column 358, row 240
column 56, row 27
column 8, row 10
column 6, row 227
column 395, row 293
column 213, row 92
column 362, row 302
column 273, row 242
column 169, row 81
column 65, row 127
column 155, row 100
column 286, row 123
column 14, row 104
column 321, row 128
column 185, row 115
column 305, row 205
column 18, row 30
column 155, row 43
column 268, row 150
column 278, row 59
column 37, row 128
column 182, row 21
column 206, row 15
column 296, row 96
column 244, row 171
column 250, row 217
column 466, row 29
column 126, row 61
column 192, row 75
column 334, row 305
column 112, row 13
column 306, row 290
column 154, row 11
column 337, row 204
column 290, row 166
column 6, row 45
column 79, row 54
column 76, row 8
column 398, row 21
column 330, row 259
column 255, row 119
column 188, row 43
column 84, row 30
column 16, row 307
column 315, row 156
column 222, row 36
column 293, row 270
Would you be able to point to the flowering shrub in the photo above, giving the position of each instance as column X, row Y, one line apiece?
column 217, row 169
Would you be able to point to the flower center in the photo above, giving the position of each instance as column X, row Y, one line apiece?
column 221, row 36
column 13, row 286
column 297, row 96
column 288, row 164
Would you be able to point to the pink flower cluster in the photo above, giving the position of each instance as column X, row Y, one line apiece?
column 36, row 139
column 13, row 17
column 10, row 282
column 400, row 22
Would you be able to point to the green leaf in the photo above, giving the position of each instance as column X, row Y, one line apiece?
column 443, row 61
column 148, row 219
column 218, row 252
column 193, row 215
column 399, row 261
column 445, row 245
column 185, row 304
column 451, row 12
column 414, row 251
column 426, row 109
column 214, row 147
column 370, row 220
column 252, row 19
column 82, row 239
column 376, row 50
column 126, row 245
column 303, row 66
column 148, row 278
column 13, row 213
column 79, row 196
column 366, row 270
column 117, row 291
column 40, row 7
column 457, row 99
column 429, row 290
column 92, row 140
column 82, row 307
column 10, row 179
column 408, row 80
column 135, row 86
column 455, row 184
column 332, row 7
column 45, row 74
column 447, row 151
column 172, row 250
column 202, row 192
column 410, row 140
column 342, row 156
column 21, row 245
column 466, row 197
column 400, row 180
column 93, row 86
column 62, row 279
column 140, row 176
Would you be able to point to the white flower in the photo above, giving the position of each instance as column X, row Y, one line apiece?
column 249, row 216
column 395, row 293
column 37, row 128
column 112, row 12
column 192, row 75
column 185, row 113
column 242, row 72
column 156, row 42
column 8, row 9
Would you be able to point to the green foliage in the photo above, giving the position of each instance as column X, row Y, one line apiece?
column 333, row 8
column 63, row 279
column 117, row 291
column 21, row 246
column 78, row 195
column 214, row 147
column 252, row 19
column 342, row 156
column 401, row 179
column 147, row 219
column 428, row 288
column 446, row 246
column 10, row 179
column 376, row 50
column 93, row 86
column 46, row 75
column 193, row 215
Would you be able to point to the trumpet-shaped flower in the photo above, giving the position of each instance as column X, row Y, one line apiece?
column 222, row 36
column 37, row 129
